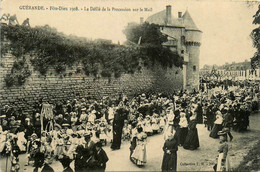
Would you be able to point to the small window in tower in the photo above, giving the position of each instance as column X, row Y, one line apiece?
column 182, row 51
column 194, row 68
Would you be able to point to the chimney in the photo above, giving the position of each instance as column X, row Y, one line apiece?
column 179, row 14
column 141, row 20
column 168, row 14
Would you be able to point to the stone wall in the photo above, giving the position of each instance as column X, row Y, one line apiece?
column 72, row 85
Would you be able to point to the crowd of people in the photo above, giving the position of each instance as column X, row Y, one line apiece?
column 76, row 130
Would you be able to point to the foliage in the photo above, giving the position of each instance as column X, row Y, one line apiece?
column 150, row 38
column 19, row 72
column 250, row 161
column 149, row 33
column 48, row 48
column 255, row 35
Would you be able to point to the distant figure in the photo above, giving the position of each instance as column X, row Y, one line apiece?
column 5, row 18
column 13, row 20
column 26, row 22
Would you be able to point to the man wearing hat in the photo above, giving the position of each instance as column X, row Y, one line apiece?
column 100, row 157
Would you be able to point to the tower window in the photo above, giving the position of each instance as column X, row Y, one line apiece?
column 182, row 51
column 194, row 68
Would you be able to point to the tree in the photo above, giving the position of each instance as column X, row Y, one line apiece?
column 149, row 33
column 255, row 35
column 151, row 38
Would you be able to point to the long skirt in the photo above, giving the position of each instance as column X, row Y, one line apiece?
column 215, row 130
column 169, row 162
column 223, row 166
column 182, row 136
column 199, row 118
column 192, row 140
column 139, row 155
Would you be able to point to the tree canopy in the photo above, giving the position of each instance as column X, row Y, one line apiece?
column 150, row 39
column 149, row 34
column 255, row 35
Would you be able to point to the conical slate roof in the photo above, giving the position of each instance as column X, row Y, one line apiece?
column 188, row 22
column 185, row 21
column 160, row 19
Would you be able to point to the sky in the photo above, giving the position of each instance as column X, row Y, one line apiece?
column 226, row 24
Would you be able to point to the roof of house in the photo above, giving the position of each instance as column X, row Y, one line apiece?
column 185, row 21
column 188, row 22
column 160, row 19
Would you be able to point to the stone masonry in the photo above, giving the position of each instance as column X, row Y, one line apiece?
column 72, row 85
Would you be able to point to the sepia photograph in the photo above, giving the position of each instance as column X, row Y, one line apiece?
column 129, row 85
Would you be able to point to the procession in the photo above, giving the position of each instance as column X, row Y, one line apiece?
column 158, row 87
column 78, row 129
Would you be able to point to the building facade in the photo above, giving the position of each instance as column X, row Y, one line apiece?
column 235, row 71
column 184, row 38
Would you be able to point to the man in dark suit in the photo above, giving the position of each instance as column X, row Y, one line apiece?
column 118, row 123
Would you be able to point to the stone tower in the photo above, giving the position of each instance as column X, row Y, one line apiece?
column 183, row 37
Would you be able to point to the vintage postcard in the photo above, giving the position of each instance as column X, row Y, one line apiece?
column 129, row 85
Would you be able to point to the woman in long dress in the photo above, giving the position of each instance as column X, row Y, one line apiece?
column 170, row 149
column 183, row 128
column 139, row 154
column 192, row 139
column 217, row 125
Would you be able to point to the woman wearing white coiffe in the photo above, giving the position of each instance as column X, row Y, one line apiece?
column 139, row 156
column 217, row 125
column 183, row 128
column 147, row 125
column 169, row 124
